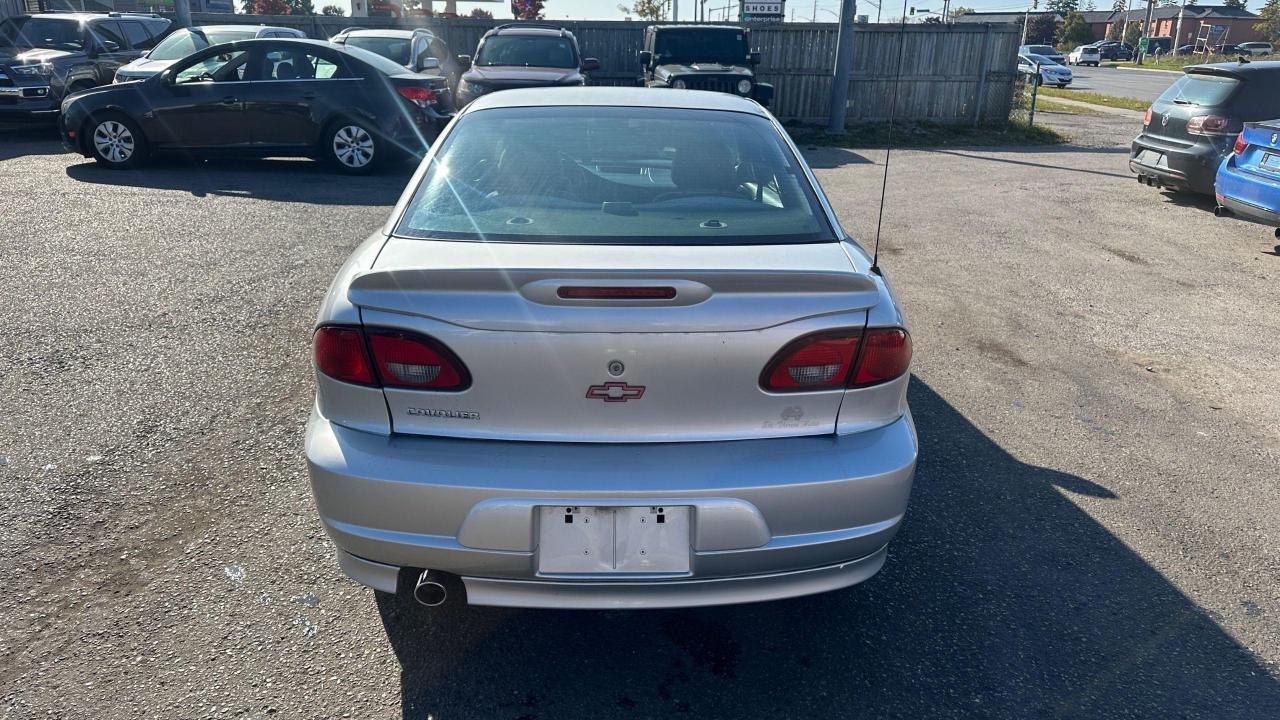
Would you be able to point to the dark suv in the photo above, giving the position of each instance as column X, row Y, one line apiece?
column 1190, row 128
column 46, row 57
column 520, row 56
column 703, row 57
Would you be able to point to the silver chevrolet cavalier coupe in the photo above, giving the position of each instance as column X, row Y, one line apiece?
column 612, row 349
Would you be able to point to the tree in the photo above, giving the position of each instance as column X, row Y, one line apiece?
column 1062, row 7
column 301, row 7
column 332, row 11
column 268, row 7
column 480, row 14
column 962, row 10
column 647, row 9
column 1237, row 4
column 526, row 9
column 1075, row 31
column 1041, row 29
column 1089, row 6
column 1270, row 17
column 1133, row 33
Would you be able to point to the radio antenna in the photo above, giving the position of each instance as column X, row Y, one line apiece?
column 888, row 149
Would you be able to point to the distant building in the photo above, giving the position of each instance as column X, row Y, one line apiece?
column 157, row 6
column 1238, row 23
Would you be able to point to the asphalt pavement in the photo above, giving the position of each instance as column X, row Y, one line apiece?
column 1092, row 532
column 1121, row 82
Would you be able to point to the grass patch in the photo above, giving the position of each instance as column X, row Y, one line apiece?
column 1044, row 104
column 1096, row 98
column 875, row 135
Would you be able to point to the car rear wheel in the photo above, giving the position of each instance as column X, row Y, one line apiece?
column 116, row 141
column 352, row 147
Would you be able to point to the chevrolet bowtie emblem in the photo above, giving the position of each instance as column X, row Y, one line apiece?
column 615, row 392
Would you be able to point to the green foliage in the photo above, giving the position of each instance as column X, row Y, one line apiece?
column 1133, row 33
column 480, row 14
column 1062, row 7
column 1041, row 29
column 1269, row 16
column 332, row 11
column 962, row 10
column 1238, row 4
column 1075, row 31
column 647, row 9
column 301, row 7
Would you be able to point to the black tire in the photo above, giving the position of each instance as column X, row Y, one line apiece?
column 115, row 141
column 352, row 146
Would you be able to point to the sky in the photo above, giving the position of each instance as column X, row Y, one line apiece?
column 802, row 9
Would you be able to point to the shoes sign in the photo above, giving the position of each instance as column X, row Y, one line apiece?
column 768, row 10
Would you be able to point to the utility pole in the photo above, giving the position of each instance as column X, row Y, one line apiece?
column 1026, row 20
column 675, row 10
column 1146, row 31
column 1177, row 33
column 182, row 9
column 844, row 67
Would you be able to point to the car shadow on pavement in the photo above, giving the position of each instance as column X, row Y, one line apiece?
column 279, row 180
column 1001, row 598
column 29, row 139
column 987, row 155
column 829, row 158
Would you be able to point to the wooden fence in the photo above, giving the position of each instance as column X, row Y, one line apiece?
column 950, row 73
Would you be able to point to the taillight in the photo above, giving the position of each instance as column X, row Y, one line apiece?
column 1146, row 119
column 418, row 95
column 845, row 359
column 340, row 353
column 1240, row 145
column 388, row 358
column 581, row 292
column 408, row 360
column 1208, row 125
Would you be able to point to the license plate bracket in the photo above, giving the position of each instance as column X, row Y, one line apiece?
column 613, row 540
column 1271, row 160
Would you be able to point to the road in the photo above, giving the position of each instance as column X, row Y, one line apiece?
column 1138, row 84
column 1092, row 533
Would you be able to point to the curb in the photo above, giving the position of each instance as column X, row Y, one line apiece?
column 1149, row 70
column 1104, row 109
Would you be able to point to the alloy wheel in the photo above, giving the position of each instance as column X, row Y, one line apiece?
column 353, row 146
column 113, row 141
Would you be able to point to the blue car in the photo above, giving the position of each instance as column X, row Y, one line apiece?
column 1248, row 181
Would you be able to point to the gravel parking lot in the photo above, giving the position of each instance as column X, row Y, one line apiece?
column 1093, row 530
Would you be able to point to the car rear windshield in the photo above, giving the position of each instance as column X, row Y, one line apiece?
column 49, row 33
column 527, row 51
column 1041, row 50
column 186, row 42
column 640, row 176
column 394, row 49
column 1200, row 89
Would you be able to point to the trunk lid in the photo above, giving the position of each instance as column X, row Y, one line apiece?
column 549, row 365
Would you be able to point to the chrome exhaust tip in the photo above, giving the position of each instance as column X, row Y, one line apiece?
column 429, row 591
column 1220, row 211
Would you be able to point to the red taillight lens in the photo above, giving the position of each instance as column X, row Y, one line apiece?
column 886, row 354
column 1146, row 119
column 413, row 361
column 816, row 362
column 341, row 355
column 418, row 95
column 834, row 360
column 1207, row 125
column 1240, row 145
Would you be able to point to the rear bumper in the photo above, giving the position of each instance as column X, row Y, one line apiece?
column 1248, row 195
column 771, row 518
column 1182, row 168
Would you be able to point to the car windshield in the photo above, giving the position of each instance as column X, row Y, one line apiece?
column 25, row 33
column 527, row 51
column 638, row 176
column 693, row 45
column 1199, row 89
column 185, row 42
column 394, row 49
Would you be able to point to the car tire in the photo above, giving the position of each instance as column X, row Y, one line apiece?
column 115, row 141
column 352, row 147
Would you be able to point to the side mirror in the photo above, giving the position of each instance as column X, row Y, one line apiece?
column 589, row 64
column 754, row 58
column 428, row 63
column 464, row 61
column 646, row 58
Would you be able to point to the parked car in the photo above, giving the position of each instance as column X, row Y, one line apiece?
column 1185, row 50
column 520, row 56
column 265, row 98
column 46, row 57
column 1159, row 45
column 1047, row 51
column 1085, row 55
column 1248, row 181
column 1193, row 125
column 419, row 50
column 1256, row 48
column 185, row 41
column 703, row 57
column 1227, row 49
column 1114, row 50
column 494, row 405
column 1051, row 73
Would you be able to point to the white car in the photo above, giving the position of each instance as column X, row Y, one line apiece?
column 187, row 41
column 1255, row 48
column 1051, row 73
column 1085, row 55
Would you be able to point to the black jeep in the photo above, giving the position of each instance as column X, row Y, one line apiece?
column 703, row 57
column 44, row 58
